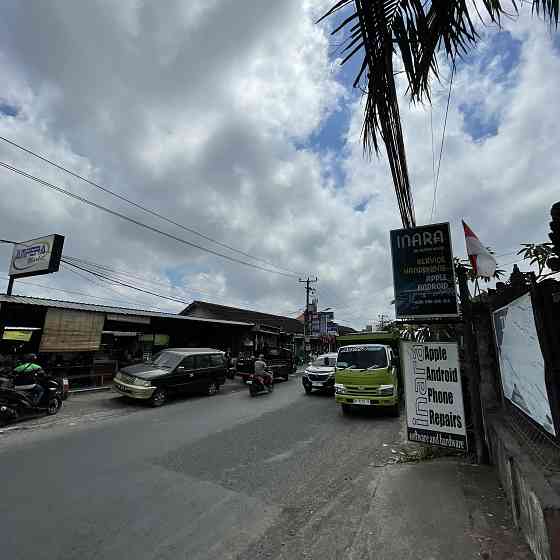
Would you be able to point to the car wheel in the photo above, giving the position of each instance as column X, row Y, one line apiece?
column 158, row 398
column 212, row 389
column 346, row 409
column 308, row 390
column 54, row 406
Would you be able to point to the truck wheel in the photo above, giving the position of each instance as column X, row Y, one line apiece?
column 346, row 409
column 394, row 410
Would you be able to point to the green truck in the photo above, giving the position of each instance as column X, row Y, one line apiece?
column 367, row 371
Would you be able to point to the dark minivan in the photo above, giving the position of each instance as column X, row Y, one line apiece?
column 175, row 370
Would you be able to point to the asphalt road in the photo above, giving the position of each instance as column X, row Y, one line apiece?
column 278, row 476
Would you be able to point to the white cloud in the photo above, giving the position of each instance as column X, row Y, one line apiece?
column 198, row 111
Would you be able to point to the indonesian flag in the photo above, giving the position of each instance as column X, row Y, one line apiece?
column 483, row 263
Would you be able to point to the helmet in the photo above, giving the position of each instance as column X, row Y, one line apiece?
column 31, row 357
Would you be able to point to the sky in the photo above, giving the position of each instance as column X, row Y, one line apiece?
column 236, row 120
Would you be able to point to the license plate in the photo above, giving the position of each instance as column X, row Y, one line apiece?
column 317, row 384
column 249, row 382
column 361, row 401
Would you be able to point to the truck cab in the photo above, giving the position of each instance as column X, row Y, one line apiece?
column 367, row 376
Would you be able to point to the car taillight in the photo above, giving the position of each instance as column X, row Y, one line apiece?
column 65, row 383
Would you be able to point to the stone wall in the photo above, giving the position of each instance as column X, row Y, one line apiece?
column 535, row 504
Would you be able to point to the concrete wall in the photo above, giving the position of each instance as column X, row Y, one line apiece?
column 534, row 502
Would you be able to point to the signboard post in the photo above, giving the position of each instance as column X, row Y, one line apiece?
column 34, row 257
column 434, row 395
column 423, row 272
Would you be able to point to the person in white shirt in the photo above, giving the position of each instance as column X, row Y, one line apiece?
column 262, row 371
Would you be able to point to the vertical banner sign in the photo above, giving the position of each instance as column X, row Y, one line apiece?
column 434, row 397
column 423, row 272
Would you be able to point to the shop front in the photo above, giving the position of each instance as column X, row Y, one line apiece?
column 88, row 343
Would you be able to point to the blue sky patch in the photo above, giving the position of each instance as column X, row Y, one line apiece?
column 8, row 110
column 478, row 124
column 362, row 206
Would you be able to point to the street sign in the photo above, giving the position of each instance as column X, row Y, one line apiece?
column 37, row 256
column 434, row 396
column 423, row 272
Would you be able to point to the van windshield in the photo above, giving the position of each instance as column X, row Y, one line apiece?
column 362, row 358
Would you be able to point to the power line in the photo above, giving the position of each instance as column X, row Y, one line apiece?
column 127, row 275
column 125, row 284
column 104, row 287
column 433, row 149
column 138, row 223
column 442, row 142
column 26, row 283
column 140, row 206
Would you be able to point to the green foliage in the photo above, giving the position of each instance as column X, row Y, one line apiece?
column 465, row 263
column 413, row 31
column 537, row 253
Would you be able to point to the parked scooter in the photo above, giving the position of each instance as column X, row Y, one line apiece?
column 16, row 403
column 259, row 385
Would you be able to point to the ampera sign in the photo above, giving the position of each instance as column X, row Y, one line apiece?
column 37, row 256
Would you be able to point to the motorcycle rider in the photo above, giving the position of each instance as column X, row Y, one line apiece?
column 262, row 371
column 27, row 378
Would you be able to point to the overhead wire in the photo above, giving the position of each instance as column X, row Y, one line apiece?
column 139, row 223
column 140, row 206
column 74, row 292
column 126, row 276
column 176, row 300
column 442, row 142
column 104, row 287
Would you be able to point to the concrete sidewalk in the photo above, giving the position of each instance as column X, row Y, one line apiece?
column 438, row 510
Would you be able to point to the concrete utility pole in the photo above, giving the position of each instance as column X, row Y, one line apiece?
column 306, row 329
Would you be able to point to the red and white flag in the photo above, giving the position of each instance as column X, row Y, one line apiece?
column 482, row 261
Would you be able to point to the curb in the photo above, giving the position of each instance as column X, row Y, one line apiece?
column 89, row 390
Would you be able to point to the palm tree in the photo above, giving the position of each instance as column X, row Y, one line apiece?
column 414, row 31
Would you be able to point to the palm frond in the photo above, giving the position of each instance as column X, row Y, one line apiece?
column 417, row 30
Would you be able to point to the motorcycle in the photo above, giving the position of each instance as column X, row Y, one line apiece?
column 16, row 403
column 259, row 386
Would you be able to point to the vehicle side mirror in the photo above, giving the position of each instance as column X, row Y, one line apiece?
column 395, row 361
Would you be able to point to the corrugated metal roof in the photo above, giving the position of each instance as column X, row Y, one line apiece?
column 42, row 302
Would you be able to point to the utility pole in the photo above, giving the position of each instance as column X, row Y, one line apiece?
column 383, row 320
column 306, row 326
